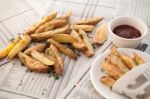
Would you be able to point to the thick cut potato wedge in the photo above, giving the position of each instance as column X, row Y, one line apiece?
column 55, row 23
column 108, row 81
column 87, row 28
column 64, row 49
column 38, row 47
column 44, row 28
column 32, row 64
column 6, row 50
column 45, row 35
column 59, row 62
column 78, row 44
column 45, row 19
column 89, row 52
column 137, row 59
column 117, row 62
column 111, row 70
column 21, row 45
column 63, row 38
column 101, row 34
column 89, row 21
column 41, row 58
column 129, row 63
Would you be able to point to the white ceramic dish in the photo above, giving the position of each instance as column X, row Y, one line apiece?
column 96, row 73
column 127, row 20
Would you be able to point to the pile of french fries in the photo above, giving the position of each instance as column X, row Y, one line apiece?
column 117, row 64
column 40, row 46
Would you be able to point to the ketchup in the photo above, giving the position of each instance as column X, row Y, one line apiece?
column 127, row 31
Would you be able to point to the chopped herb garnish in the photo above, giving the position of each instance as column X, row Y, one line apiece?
column 52, row 73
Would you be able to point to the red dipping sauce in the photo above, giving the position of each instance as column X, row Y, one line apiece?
column 127, row 31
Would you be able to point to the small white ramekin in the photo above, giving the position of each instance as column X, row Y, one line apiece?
column 127, row 20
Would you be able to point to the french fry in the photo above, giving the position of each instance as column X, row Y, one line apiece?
column 44, row 28
column 59, row 63
column 113, row 51
column 21, row 45
column 63, row 38
column 87, row 28
column 127, row 61
column 32, row 64
column 117, row 62
column 111, row 70
column 64, row 49
column 78, row 44
column 45, row 19
column 89, row 52
column 89, row 21
column 41, row 58
column 137, row 59
column 39, row 47
column 6, row 50
column 55, row 23
column 108, row 81
column 45, row 35
column 101, row 34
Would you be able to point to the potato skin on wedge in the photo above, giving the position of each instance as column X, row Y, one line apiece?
column 107, row 80
column 45, row 35
column 111, row 70
column 32, row 64
column 101, row 34
column 64, row 49
column 90, row 51
column 138, row 59
column 59, row 62
column 45, row 19
column 87, row 28
column 55, row 23
column 89, row 21
column 38, row 47
column 78, row 44
column 63, row 38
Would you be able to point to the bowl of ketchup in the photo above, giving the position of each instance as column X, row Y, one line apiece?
column 127, row 31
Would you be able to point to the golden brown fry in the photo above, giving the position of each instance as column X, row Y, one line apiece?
column 44, row 28
column 138, row 59
column 6, row 50
column 32, row 63
column 45, row 35
column 78, row 44
column 89, row 21
column 63, row 38
column 111, row 70
column 101, row 34
column 117, row 62
column 21, row 45
column 55, row 23
column 59, row 62
column 38, row 47
column 89, row 52
column 41, row 58
column 87, row 28
column 127, row 61
column 64, row 49
column 107, row 80
column 113, row 51
column 45, row 19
